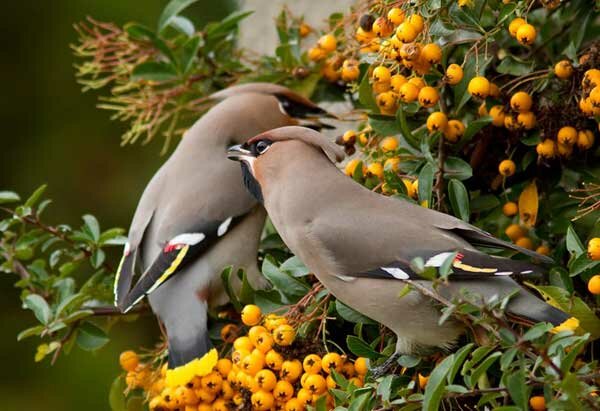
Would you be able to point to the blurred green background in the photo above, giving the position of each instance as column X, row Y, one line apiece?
column 52, row 133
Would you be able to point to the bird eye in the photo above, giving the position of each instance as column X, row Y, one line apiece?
column 262, row 146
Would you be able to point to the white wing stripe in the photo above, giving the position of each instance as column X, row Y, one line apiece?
column 438, row 259
column 396, row 273
column 187, row 239
column 224, row 227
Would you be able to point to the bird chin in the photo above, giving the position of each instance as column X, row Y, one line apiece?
column 250, row 182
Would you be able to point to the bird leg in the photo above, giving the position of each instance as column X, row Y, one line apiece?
column 385, row 367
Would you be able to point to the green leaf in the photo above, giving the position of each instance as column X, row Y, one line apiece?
column 69, row 302
column 90, row 337
column 384, row 125
column 474, row 126
column 511, row 66
column 571, row 304
column 139, row 32
column 435, row 386
column 153, row 71
column 537, row 331
column 97, row 258
column 484, row 202
column 361, row 349
column 189, row 52
column 426, row 184
column 351, row 315
column 482, row 368
column 287, row 285
column 8, row 197
column 171, row 10
column 183, row 25
column 226, row 279
column 458, row 168
column 30, row 332
column 295, row 267
column 365, row 94
column 92, row 226
column 39, row 306
column 227, row 24
column 112, row 236
column 459, row 199
column 574, row 245
column 30, row 202
column 116, row 396
column 459, row 357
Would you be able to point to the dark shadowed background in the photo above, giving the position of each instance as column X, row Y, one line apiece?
column 52, row 133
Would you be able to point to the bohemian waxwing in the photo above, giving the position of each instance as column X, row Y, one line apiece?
column 357, row 242
column 195, row 217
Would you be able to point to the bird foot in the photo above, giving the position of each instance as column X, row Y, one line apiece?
column 383, row 369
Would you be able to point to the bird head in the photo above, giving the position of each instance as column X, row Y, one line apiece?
column 300, row 110
column 261, row 154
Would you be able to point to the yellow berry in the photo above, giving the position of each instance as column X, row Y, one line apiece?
column 351, row 167
column 526, row 34
column 514, row 25
column 266, row 380
column 262, row 401
column 363, row 36
column 375, row 169
column 283, row 391
column 129, row 360
column 381, row 74
column 396, row 15
column 381, row 87
column 349, row 137
column 454, row 74
column 594, row 285
column 274, row 360
column 507, row 168
column 387, row 102
column 294, row 404
column 331, row 361
column 586, row 107
column 360, row 366
column 585, row 139
column 251, row 314
column 389, row 144
column 382, row 27
column 305, row 30
column 510, row 122
column 284, row 334
column 392, row 163
column 315, row 383
column 567, row 135
column 432, row 53
column 396, row 81
column 526, row 120
column 316, row 53
column 330, row 72
column 494, row 90
column 525, row 242
column 510, row 209
column 514, row 232
column 423, row 379
column 521, row 102
column 428, row 96
column 229, row 332
column 264, row 342
column 454, row 131
column 327, row 42
column 254, row 332
column 291, row 370
column 497, row 114
column 479, row 87
column 224, row 366
column 543, row 250
column 546, row 149
column 594, row 248
column 417, row 22
column 537, row 403
column 418, row 81
column 563, row 69
column 406, row 32
column 312, row 364
column 350, row 70
column 436, row 121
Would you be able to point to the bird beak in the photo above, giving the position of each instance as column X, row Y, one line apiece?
column 239, row 153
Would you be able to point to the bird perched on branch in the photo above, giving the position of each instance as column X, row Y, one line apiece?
column 360, row 244
column 195, row 217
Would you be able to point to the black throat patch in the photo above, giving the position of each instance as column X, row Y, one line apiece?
column 251, row 183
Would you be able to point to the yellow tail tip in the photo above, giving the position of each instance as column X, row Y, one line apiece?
column 569, row 325
column 197, row 367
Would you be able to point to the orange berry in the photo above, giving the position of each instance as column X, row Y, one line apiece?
column 537, row 403
column 479, row 87
column 514, row 232
column 284, row 334
column 129, row 360
column 594, row 248
column 497, row 114
column 315, row 383
column 594, row 285
column 454, row 131
column 563, row 69
column 436, row 121
column 229, row 333
column 388, row 144
column 312, row 364
column 406, row 32
column 525, row 242
column 514, row 26
column 262, row 401
column 510, row 209
column 266, row 380
column 327, row 42
column 423, row 381
column 396, row 15
column 432, row 53
column 283, row 391
column 507, row 168
column 291, row 370
column 567, row 135
column 251, row 314
column 428, row 96
column 274, row 360
column 521, row 102
column 526, row 34
column 454, row 74
column 360, row 366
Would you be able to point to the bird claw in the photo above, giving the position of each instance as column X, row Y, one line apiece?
column 383, row 369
